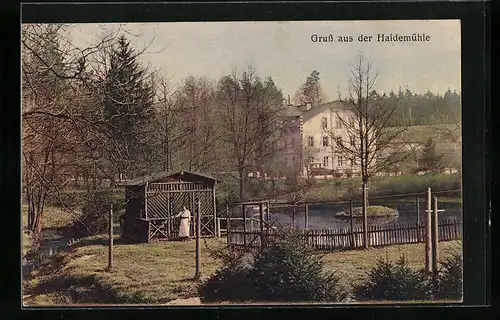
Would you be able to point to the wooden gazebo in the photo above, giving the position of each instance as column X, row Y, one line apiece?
column 153, row 200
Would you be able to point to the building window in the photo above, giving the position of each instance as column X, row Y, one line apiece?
column 352, row 162
column 310, row 141
column 325, row 162
column 340, row 161
column 324, row 123
column 353, row 141
column 339, row 141
column 292, row 142
column 338, row 123
column 351, row 121
column 325, row 141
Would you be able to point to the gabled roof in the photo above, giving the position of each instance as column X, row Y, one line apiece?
column 166, row 174
column 291, row 111
column 314, row 111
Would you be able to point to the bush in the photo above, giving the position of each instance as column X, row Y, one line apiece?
column 285, row 270
column 450, row 279
column 94, row 218
column 394, row 281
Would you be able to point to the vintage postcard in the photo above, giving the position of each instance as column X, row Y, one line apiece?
column 222, row 163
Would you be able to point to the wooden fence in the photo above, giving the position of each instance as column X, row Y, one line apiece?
column 344, row 239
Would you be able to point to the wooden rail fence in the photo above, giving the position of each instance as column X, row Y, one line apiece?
column 344, row 239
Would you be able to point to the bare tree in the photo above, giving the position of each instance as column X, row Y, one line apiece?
column 64, row 132
column 307, row 159
column 367, row 122
column 249, row 118
column 195, row 103
column 47, row 70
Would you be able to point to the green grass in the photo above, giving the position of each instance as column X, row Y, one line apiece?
column 160, row 272
column 143, row 273
column 346, row 189
column 353, row 265
column 53, row 217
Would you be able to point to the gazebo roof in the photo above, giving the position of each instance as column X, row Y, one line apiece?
column 181, row 174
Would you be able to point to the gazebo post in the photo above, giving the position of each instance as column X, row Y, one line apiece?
column 146, row 200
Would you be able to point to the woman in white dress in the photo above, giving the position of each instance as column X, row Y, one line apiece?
column 185, row 216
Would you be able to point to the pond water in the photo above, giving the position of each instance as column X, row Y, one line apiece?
column 322, row 216
column 52, row 243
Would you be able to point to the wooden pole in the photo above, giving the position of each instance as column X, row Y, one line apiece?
column 215, row 210
column 352, row 223
column 228, row 227
column 417, row 203
column 435, row 238
column 110, row 251
column 146, row 200
column 244, row 225
column 306, row 216
column 218, row 227
column 261, row 216
column 428, row 243
column 268, row 212
column 365, row 217
column 198, row 231
column 268, row 218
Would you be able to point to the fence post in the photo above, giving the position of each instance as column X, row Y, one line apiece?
column 110, row 249
column 435, row 238
column 261, row 216
column 352, row 223
column 428, row 244
column 306, row 216
column 365, row 216
column 218, row 227
column 228, row 227
column 198, row 249
column 418, row 217
column 268, row 211
column 244, row 225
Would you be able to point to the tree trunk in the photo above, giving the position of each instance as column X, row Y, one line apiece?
column 242, row 184
column 365, row 217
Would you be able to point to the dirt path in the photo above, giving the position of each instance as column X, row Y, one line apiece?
column 185, row 302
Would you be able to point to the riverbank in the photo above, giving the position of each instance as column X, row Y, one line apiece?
column 162, row 273
column 391, row 188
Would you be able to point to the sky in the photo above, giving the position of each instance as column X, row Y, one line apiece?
column 284, row 51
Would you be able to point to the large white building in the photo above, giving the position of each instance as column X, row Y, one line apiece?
column 309, row 147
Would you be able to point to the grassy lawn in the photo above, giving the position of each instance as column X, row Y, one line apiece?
column 143, row 273
column 352, row 266
column 160, row 272
column 53, row 217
